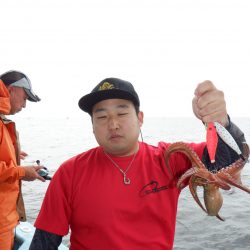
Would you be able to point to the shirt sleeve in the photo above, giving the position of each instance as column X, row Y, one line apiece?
column 10, row 172
column 55, row 212
column 43, row 240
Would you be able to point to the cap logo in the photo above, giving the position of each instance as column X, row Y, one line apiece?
column 106, row 85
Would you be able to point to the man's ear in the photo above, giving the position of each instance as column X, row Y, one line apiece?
column 10, row 88
column 140, row 118
column 93, row 130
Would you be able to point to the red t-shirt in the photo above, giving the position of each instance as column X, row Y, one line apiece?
column 88, row 195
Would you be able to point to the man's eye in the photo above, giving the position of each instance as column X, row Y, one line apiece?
column 101, row 117
column 122, row 114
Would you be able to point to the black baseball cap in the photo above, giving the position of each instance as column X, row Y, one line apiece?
column 109, row 88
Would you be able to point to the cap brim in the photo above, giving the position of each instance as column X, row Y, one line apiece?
column 87, row 102
column 31, row 95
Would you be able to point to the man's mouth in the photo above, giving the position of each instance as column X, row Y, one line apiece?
column 115, row 137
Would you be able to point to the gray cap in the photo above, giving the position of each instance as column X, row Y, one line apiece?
column 26, row 85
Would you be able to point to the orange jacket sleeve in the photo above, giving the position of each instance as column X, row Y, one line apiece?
column 10, row 173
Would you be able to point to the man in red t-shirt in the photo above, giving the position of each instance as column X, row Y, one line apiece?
column 121, row 195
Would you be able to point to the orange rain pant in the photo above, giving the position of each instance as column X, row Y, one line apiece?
column 7, row 240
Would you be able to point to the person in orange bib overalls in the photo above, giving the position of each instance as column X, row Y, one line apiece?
column 15, row 89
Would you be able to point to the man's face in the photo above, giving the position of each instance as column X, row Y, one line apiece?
column 18, row 99
column 116, row 126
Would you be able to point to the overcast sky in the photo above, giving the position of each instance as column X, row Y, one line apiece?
column 165, row 48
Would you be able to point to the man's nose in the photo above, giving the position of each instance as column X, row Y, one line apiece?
column 113, row 123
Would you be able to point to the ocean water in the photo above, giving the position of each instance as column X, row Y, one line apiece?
column 52, row 140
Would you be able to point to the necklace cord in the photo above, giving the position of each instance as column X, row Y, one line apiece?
column 126, row 180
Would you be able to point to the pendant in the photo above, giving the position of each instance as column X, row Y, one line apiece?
column 126, row 180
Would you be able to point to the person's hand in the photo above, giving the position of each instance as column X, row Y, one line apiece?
column 23, row 155
column 31, row 173
column 209, row 104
